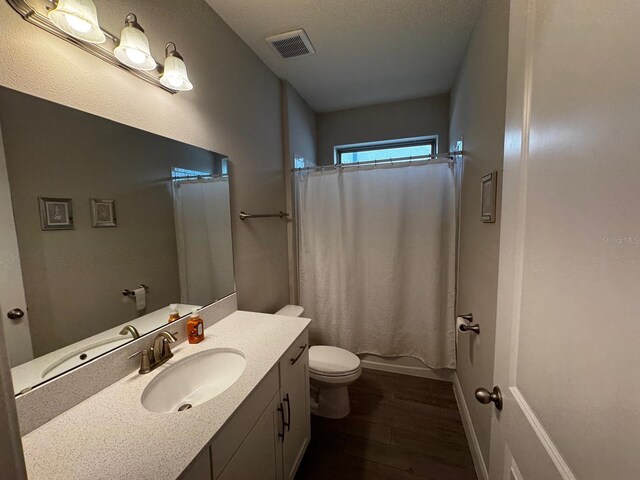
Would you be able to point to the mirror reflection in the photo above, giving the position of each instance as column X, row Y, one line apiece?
column 118, row 230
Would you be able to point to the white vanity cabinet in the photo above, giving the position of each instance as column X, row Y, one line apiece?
column 260, row 455
column 267, row 436
column 200, row 468
column 294, row 392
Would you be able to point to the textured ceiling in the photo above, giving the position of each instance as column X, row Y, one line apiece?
column 368, row 51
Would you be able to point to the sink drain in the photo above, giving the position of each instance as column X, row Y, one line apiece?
column 186, row 406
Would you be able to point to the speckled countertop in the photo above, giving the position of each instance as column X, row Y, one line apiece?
column 112, row 436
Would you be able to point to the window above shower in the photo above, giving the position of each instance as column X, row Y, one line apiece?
column 401, row 150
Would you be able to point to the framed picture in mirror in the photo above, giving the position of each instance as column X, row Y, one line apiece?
column 56, row 213
column 103, row 213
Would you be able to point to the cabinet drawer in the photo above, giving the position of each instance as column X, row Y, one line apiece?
column 298, row 353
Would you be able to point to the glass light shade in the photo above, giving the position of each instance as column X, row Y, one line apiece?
column 133, row 49
column 175, row 74
column 79, row 19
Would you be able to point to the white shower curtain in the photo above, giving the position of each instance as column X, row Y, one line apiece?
column 203, row 237
column 377, row 260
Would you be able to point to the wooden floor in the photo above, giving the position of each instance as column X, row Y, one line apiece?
column 400, row 427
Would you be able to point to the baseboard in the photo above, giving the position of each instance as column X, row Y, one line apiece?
column 474, row 446
column 423, row 372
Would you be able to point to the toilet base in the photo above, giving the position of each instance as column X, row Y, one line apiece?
column 330, row 401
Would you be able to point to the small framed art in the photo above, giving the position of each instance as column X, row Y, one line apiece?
column 103, row 213
column 488, row 202
column 56, row 213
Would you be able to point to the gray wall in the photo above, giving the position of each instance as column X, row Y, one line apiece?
column 478, row 104
column 234, row 109
column 299, row 128
column 73, row 279
column 387, row 121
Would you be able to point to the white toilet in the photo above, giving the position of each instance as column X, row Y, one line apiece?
column 331, row 371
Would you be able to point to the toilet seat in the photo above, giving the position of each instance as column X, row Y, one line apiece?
column 334, row 362
column 341, row 380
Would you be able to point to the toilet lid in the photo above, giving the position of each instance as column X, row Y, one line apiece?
column 332, row 360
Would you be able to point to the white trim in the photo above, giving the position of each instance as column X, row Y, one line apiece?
column 422, row 372
column 386, row 143
column 545, row 440
column 472, row 439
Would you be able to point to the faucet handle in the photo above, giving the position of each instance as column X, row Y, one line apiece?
column 145, row 363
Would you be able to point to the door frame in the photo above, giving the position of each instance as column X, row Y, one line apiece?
column 20, row 349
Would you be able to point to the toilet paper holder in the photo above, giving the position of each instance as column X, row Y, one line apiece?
column 469, row 328
column 131, row 293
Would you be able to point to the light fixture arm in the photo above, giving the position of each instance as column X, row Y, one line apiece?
column 132, row 21
column 172, row 51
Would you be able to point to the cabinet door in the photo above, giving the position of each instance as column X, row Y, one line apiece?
column 260, row 455
column 200, row 468
column 294, row 390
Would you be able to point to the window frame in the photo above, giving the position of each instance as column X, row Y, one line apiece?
column 338, row 150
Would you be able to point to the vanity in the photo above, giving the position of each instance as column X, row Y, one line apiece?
column 258, row 428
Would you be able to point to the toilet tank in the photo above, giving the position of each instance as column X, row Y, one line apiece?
column 291, row 311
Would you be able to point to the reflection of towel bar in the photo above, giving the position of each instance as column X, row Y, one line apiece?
column 131, row 293
column 244, row 216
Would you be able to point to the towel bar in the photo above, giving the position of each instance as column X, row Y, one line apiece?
column 244, row 216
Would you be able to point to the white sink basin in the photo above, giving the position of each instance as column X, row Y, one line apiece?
column 193, row 380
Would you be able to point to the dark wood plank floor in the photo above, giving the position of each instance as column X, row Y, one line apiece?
column 400, row 427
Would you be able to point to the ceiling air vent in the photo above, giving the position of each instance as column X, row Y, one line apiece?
column 291, row 44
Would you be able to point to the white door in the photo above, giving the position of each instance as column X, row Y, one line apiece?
column 12, row 297
column 567, row 347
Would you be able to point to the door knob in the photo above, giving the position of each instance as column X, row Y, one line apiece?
column 484, row 396
column 470, row 328
column 15, row 314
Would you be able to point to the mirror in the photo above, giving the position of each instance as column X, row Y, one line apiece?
column 113, row 225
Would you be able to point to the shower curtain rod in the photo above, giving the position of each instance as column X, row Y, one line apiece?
column 447, row 157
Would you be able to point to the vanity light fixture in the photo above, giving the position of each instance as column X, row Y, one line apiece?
column 175, row 75
column 76, row 22
column 133, row 49
column 78, row 18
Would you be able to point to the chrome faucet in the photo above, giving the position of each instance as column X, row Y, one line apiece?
column 158, row 354
column 132, row 330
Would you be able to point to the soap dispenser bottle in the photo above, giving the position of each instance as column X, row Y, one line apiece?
column 173, row 312
column 195, row 328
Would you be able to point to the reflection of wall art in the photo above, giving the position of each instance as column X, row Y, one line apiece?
column 103, row 213
column 489, row 190
column 56, row 213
